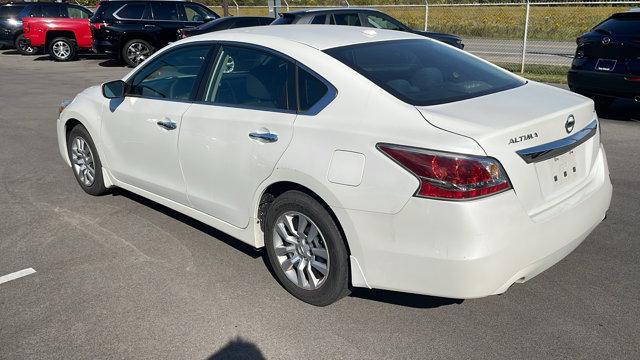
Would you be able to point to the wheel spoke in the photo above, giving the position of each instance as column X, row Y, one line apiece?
column 282, row 250
column 302, row 280
column 320, row 252
column 289, row 222
column 322, row 268
column 313, row 280
column 282, row 232
column 302, row 225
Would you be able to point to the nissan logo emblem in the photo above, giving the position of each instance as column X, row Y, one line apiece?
column 606, row 40
column 571, row 122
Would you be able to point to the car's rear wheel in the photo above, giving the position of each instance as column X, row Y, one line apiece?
column 62, row 49
column 24, row 46
column 85, row 161
column 136, row 51
column 306, row 250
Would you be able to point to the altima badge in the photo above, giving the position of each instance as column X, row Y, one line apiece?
column 571, row 122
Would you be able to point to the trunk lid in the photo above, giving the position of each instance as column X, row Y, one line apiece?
column 527, row 117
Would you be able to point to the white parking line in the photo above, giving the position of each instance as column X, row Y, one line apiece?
column 16, row 275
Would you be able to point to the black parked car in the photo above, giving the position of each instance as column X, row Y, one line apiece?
column 607, row 60
column 133, row 30
column 229, row 22
column 359, row 17
column 11, row 22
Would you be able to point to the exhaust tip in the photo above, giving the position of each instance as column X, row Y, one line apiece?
column 636, row 99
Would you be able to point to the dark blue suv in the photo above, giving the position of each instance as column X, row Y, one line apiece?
column 607, row 60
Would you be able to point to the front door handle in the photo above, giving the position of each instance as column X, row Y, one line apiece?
column 167, row 124
column 265, row 137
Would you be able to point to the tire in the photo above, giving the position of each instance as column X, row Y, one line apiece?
column 334, row 283
column 136, row 51
column 82, row 153
column 62, row 49
column 23, row 47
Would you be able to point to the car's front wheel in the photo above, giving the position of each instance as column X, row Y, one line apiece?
column 24, row 46
column 306, row 249
column 136, row 51
column 62, row 49
column 85, row 161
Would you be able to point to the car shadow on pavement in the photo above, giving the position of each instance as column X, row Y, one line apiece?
column 403, row 299
column 238, row 349
column 215, row 233
column 111, row 63
column 391, row 297
column 621, row 109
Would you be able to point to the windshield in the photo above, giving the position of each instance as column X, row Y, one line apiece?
column 424, row 72
column 10, row 11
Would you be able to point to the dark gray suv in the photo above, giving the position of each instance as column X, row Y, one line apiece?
column 359, row 17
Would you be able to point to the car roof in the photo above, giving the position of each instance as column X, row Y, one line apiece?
column 317, row 36
column 329, row 10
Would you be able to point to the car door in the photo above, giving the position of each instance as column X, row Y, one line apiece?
column 231, row 141
column 140, row 131
column 166, row 17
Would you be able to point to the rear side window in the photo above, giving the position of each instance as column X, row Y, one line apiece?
column 251, row 78
column 620, row 26
column 165, row 11
column 347, row 19
column 382, row 22
column 171, row 76
column 424, row 72
column 310, row 90
column 320, row 19
column 284, row 19
column 132, row 11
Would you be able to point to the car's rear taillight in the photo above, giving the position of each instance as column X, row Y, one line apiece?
column 450, row 176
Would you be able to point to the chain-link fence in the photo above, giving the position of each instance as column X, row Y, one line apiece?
column 535, row 38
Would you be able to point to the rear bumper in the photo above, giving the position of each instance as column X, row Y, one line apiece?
column 602, row 83
column 476, row 248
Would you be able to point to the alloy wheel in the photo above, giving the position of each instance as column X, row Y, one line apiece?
column 301, row 250
column 83, row 162
column 25, row 47
column 61, row 49
column 137, row 52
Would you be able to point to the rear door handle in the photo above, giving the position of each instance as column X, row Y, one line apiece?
column 167, row 124
column 265, row 137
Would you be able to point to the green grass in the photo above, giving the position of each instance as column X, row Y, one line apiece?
column 543, row 73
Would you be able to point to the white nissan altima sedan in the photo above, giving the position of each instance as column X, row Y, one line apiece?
column 356, row 157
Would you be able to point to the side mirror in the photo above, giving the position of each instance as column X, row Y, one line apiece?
column 209, row 18
column 114, row 89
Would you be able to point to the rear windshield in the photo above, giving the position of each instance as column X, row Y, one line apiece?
column 10, row 11
column 424, row 72
column 620, row 26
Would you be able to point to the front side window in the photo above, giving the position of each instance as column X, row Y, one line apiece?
column 424, row 72
column 251, row 78
column 381, row 22
column 133, row 11
column 76, row 12
column 347, row 19
column 165, row 11
column 172, row 76
column 194, row 13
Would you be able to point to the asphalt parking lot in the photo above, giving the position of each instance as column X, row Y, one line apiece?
column 120, row 277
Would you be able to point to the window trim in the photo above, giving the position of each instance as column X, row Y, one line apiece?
column 115, row 13
column 324, row 101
